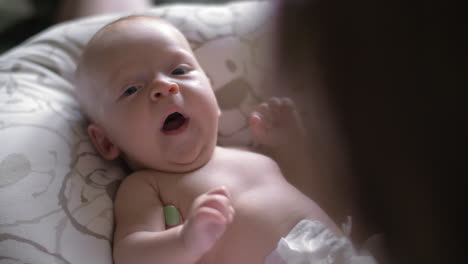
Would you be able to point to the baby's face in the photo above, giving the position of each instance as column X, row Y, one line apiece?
column 153, row 101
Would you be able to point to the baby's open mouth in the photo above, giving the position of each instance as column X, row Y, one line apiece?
column 174, row 122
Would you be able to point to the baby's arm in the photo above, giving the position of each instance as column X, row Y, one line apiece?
column 140, row 235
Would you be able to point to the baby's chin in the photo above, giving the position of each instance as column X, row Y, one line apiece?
column 181, row 163
column 191, row 163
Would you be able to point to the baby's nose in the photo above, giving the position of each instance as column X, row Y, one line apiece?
column 164, row 89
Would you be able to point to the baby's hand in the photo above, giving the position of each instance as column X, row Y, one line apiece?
column 211, row 213
column 277, row 124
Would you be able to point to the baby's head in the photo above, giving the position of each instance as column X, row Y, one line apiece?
column 148, row 99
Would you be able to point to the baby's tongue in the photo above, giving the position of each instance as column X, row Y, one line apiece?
column 173, row 122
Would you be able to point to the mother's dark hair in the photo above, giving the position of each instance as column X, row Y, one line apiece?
column 387, row 70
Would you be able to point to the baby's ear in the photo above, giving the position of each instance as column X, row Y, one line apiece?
column 102, row 143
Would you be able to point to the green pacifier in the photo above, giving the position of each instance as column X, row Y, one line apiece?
column 171, row 215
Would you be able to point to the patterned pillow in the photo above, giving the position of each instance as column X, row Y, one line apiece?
column 55, row 191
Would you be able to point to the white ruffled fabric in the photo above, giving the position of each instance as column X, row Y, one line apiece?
column 310, row 242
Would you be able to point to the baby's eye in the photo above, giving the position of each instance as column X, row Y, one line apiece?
column 179, row 71
column 131, row 90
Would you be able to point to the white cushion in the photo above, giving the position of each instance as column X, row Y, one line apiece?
column 55, row 191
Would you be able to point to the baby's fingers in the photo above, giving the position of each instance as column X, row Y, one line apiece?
column 217, row 199
column 221, row 204
column 221, row 190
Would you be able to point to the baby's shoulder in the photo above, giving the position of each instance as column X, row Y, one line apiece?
column 139, row 178
column 246, row 157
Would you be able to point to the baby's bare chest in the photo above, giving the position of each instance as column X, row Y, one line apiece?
column 240, row 182
column 267, row 207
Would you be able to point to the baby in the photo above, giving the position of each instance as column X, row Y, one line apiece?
column 151, row 104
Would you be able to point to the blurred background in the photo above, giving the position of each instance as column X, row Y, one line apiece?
column 20, row 19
